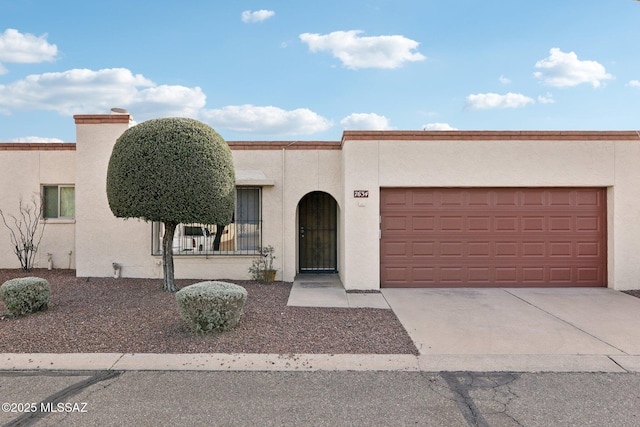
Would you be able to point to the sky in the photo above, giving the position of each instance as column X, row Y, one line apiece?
column 301, row 70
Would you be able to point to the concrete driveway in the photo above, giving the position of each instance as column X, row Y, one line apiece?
column 566, row 321
column 498, row 329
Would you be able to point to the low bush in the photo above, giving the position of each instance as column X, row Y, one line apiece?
column 211, row 306
column 25, row 295
column 261, row 268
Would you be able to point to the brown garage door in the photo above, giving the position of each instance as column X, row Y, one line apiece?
column 492, row 237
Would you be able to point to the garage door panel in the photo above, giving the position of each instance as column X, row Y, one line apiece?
column 451, row 223
column 395, row 199
column 588, row 198
column 451, row 274
column 506, row 224
column 587, row 274
column 422, row 223
column 589, row 224
column 451, row 198
column 480, row 199
column 561, row 198
column 506, row 249
column 560, row 249
column 422, row 198
column 589, row 249
column 506, row 197
column 479, row 249
column 559, row 224
column 451, row 249
column 423, row 249
column 532, row 275
column 396, row 249
column 533, row 198
column 534, row 249
column 479, row 274
column 533, row 224
column 560, row 274
column 493, row 237
column 479, row 224
column 424, row 274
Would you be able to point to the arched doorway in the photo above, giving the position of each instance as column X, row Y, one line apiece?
column 317, row 233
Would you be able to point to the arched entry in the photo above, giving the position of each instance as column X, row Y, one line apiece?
column 317, row 233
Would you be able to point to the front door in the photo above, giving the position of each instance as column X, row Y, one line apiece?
column 317, row 220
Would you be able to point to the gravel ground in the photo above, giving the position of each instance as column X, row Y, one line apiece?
column 107, row 315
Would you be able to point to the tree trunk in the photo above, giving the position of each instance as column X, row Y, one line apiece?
column 167, row 256
column 218, row 237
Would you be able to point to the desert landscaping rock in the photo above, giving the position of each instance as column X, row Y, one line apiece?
column 107, row 315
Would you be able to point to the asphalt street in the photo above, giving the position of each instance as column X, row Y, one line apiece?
column 319, row 398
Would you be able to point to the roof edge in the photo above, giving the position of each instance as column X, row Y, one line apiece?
column 480, row 135
column 285, row 145
column 37, row 146
column 83, row 119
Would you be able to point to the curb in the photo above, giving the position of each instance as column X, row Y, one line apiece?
column 316, row 362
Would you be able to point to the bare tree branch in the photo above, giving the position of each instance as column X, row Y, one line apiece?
column 26, row 232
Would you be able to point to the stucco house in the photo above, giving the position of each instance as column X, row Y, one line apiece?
column 380, row 208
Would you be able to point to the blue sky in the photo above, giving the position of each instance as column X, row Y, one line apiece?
column 289, row 70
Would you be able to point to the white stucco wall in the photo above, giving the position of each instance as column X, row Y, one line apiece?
column 372, row 164
column 103, row 239
column 304, row 171
column 96, row 238
column 22, row 174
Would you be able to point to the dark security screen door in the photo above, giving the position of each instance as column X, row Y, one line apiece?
column 317, row 218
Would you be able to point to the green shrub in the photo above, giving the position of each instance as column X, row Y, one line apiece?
column 25, row 295
column 172, row 169
column 261, row 268
column 211, row 306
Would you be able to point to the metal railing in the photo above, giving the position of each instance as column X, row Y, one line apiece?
column 237, row 238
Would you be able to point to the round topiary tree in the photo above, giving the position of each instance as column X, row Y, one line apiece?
column 172, row 170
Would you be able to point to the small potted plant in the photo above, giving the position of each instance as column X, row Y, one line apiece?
column 262, row 267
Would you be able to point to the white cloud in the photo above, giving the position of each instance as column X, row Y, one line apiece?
column 438, row 126
column 25, row 48
column 365, row 52
column 634, row 83
column 83, row 91
column 504, row 80
column 562, row 69
column 267, row 120
column 35, row 139
column 546, row 98
column 249, row 16
column 486, row 101
column 365, row 121
column 168, row 100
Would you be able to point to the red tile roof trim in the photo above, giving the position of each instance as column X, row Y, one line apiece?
column 37, row 146
column 92, row 119
column 449, row 135
column 287, row 145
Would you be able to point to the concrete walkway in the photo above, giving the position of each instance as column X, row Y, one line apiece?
column 326, row 290
column 482, row 330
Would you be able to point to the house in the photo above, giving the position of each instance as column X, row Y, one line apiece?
column 381, row 208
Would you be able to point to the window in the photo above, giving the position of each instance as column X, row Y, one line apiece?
column 241, row 237
column 59, row 201
column 247, row 219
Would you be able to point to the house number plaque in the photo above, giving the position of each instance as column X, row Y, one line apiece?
column 361, row 194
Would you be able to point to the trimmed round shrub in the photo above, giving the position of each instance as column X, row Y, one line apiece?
column 211, row 306
column 172, row 169
column 25, row 295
